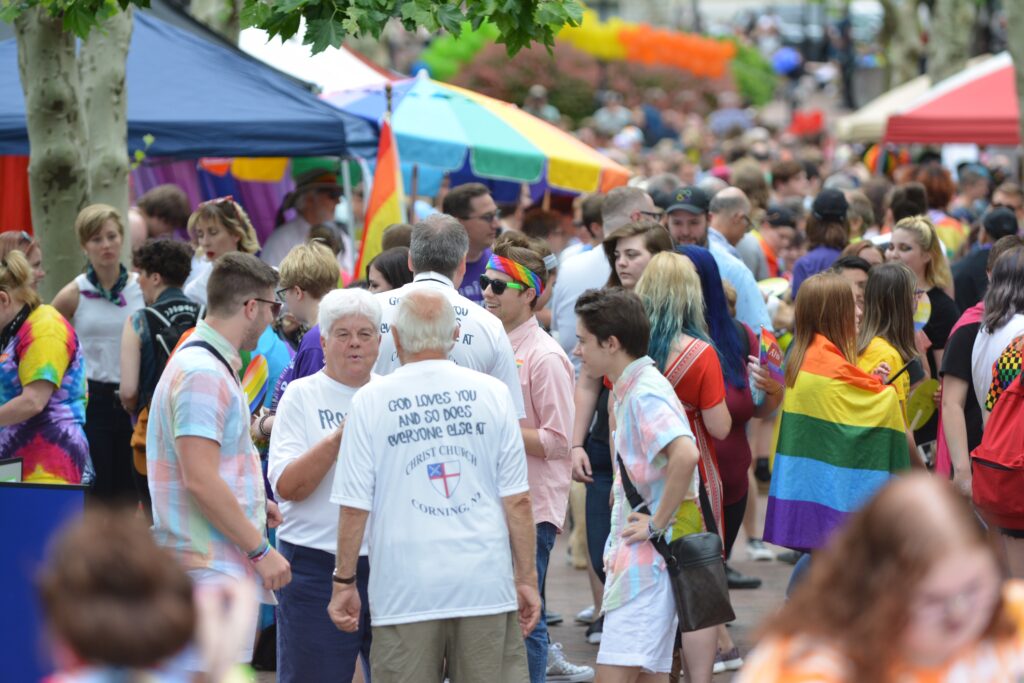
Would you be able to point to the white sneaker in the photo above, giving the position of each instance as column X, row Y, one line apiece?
column 727, row 661
column 586, row 615
column 560, row 670
column 757, row 550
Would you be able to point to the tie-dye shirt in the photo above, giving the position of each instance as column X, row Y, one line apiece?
column 648, row 417
column 198, row 396
column 52, row 444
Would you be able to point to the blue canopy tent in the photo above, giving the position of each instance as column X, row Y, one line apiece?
column 200, row 98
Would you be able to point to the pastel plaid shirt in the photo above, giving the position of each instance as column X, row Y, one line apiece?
column 198, row 396
column 648, row 417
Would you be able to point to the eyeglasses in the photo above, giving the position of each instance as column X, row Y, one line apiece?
column 498, row 286
column 279, row 293
column 487, row 217
column 656, row 215
column 275, row 306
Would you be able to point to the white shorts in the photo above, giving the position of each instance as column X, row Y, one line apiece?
column 642, row 633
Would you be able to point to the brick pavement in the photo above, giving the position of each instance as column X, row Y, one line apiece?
column 568, row 591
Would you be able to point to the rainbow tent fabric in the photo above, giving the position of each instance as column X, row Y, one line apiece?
column 839, row 438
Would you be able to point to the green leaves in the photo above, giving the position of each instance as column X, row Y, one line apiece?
column 519, row 22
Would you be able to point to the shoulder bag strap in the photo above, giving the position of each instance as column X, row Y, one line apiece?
column 209, row 347
column 686, row 358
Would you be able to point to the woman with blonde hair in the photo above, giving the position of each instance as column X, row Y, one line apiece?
column 218, row 226
column 840, row 433
column 97, row 303
column 681, row 348
column 909, row 590
column 19, row 240
column 916, row 244
column 42, row 383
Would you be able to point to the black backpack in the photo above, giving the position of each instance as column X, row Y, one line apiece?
column 167, row 321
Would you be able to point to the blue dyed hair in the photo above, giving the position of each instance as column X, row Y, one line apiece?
column 671, row 293
column 724, row 333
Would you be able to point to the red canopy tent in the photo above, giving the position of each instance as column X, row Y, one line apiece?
column 977, row 105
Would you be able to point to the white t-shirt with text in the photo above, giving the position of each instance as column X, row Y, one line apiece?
column 310, row 409
column 430, row 450
column 482, row 345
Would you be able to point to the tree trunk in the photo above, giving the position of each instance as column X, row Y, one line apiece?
column 904, row 48
column 949, row 44
column 101, row 68
column 1015, row 27
column 58, row 180
column 220, row 15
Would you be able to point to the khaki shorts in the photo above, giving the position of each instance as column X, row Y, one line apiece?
column 487, row 649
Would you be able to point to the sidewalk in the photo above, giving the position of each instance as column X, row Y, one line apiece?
column 568, row 591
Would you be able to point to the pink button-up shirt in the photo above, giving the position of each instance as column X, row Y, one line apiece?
column 546, row 377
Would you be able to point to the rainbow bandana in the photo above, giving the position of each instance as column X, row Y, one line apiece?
column 516, row 271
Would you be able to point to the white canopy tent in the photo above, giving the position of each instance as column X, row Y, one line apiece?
column 333, row 69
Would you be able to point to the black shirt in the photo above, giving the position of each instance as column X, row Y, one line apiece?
column 970, row 281
column 956, row 361
column 944, row 315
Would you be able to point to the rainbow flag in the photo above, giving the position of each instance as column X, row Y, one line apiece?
column 839, row 438
column 255, row 377
column 387, row 202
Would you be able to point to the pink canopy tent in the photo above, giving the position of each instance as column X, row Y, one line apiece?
column 977, row 105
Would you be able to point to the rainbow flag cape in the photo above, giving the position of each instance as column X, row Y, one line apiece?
column 839, row 438
column 386, row 204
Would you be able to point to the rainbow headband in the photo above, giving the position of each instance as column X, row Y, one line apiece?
column 516, row 271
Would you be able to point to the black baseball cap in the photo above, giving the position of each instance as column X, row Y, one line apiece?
column 779, row 217
column 1000, row 222
column 830, row 205
column 690, row 199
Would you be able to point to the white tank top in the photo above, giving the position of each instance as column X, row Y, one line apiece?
column 99, row 324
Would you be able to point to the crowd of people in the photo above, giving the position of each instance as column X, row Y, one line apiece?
column 416, row 432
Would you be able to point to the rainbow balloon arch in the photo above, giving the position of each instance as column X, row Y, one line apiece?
column 618, row 40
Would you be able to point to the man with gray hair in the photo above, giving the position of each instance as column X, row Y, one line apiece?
column 437, row 258
column 590, row 269
column 434, row 453
column 729, row 211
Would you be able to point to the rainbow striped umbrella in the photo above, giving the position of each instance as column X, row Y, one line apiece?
column 456, row 131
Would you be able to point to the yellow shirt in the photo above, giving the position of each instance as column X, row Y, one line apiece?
column 881, row 351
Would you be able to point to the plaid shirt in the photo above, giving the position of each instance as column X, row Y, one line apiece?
column 198, row 396
column 648, row 417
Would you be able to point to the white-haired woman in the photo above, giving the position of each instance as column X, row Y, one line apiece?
column 303, row 451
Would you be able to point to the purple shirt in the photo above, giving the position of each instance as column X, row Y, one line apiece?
column 813, row 262
column 308, row 360
column 470, row 287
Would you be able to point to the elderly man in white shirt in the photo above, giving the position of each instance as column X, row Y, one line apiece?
column 437, row 258
column 303, row 451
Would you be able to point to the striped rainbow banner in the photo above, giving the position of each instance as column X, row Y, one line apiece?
column 839, row 438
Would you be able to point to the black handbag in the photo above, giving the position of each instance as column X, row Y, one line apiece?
column 695, row 566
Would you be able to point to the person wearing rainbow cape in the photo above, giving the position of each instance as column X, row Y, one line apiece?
column 840, row 432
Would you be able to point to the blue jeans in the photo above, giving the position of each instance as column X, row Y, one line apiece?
column 310, row 648
column 537, row 641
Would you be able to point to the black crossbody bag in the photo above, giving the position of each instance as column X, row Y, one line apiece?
column 695, row 566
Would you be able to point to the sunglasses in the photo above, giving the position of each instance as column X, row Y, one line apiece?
column 487, row 217
column 498, row 286
column 275, row 306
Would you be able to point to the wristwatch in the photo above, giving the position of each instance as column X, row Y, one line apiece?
column 345, row 580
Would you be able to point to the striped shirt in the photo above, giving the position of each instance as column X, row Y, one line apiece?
column 648, row 417
column 198, row 396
